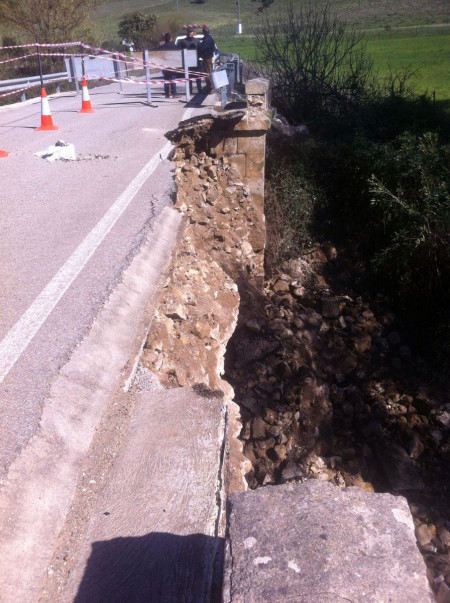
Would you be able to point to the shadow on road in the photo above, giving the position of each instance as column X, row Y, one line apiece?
column 158, row 567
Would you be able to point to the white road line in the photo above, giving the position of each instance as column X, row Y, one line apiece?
column 19, row 337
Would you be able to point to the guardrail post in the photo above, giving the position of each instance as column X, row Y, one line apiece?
column 23, row 98
column 73, row 74
column 147, row 77
column 223, row 96
column 236, row 70
column 186, row 74
column 117, row 72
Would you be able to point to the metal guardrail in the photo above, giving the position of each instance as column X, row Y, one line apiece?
column 18, row 83
column 232, row 64
column 229, row 58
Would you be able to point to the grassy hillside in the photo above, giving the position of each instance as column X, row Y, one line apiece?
column 222, row 17
column 427, row 50
column 400, row 32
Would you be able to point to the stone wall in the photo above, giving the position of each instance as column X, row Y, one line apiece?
column 220, row 176
column 219, row 258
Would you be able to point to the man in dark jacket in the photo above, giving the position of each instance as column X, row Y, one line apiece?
column 206, row 50
column 170, row 90
column 189, row 42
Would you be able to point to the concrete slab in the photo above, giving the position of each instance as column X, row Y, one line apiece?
column 154, row 534
column 36, row 495
column 311, row 542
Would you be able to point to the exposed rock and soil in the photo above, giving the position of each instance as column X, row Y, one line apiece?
column 326, row 383
column 221, row 244
column 329, row 389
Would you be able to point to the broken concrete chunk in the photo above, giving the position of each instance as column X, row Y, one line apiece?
column 60, row 150
column 332, row 544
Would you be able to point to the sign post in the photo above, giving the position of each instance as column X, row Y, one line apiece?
column 147, row 77
column 186, row 74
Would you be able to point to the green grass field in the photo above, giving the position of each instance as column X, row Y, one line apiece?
column 221, row 14
column 427, row 53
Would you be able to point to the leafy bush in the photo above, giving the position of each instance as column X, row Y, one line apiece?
column 172, row 23
column 386, row 205
column 50, row 21
column 393, row 108
column 373, row 178
column 411, row 193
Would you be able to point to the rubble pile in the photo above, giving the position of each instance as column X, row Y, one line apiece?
column 200, row 302
column 329, row 390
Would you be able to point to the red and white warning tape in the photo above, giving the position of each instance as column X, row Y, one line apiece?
column 125, row 80
column 15, row 91
column 133, row 60
column 25, row 56
column 129, row 80
column 136, row 59
column 110, row 56
column 37, row 44
column 86, row 56
column 96, row 49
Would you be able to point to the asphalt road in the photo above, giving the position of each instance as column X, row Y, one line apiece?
column 68, row 230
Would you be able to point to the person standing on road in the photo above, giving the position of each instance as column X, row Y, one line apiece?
column 170, row 90
column 206, row 50
column 190, row 42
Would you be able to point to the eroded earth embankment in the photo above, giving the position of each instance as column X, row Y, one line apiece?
column 317, row 380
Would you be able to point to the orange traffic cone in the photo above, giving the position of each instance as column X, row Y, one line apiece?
column 86, row 106
column 3, row 153
column 46, row 117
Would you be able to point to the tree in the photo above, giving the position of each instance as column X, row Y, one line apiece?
column 136, row 29
column 48, row 20
column 317, row 63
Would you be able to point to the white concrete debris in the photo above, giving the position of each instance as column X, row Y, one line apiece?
column 60, row 150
